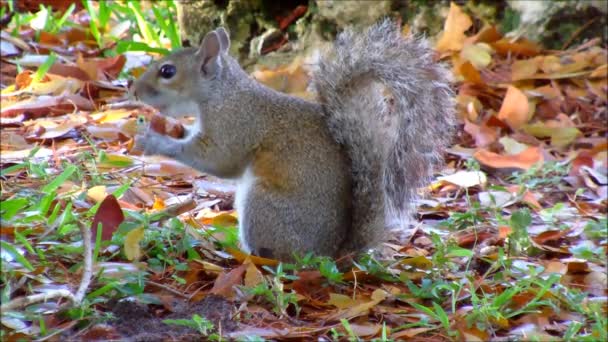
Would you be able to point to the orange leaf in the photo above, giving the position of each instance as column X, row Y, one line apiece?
column 515, row 108
column 454, row 28
column 522, row 47
column 468, row 71
column 523, row 160
column 159, row 204
column 241, row 257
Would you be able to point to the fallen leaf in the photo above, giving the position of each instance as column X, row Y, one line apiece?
column 483, row 134
column 512, row 146
column 131, row 245
column 110, row 216
column 224, row 284
column 342, row 301
column 253, row 276
column 465, row 179
column 456, row 24
column 515, row 108
column 524, row 160
column 524, row 69
column 479, row 55
column 97, row 193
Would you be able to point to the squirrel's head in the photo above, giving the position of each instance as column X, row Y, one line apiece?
column 176, row 85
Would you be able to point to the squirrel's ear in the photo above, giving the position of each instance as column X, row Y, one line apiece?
column 224, row 39
column 208, row 53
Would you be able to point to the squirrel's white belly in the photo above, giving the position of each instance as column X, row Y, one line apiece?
column 244, row 186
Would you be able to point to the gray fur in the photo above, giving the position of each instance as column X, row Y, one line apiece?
column 392, row 146
column 318, row 178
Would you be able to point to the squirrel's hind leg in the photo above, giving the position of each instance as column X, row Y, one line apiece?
column 273, row 225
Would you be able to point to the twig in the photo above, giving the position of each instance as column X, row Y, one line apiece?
column 578, row 32
column 167, row 288
column 75, row 299
column 87, row 272
column 36, row 298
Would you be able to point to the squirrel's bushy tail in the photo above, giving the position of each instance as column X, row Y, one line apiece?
column 390, row 105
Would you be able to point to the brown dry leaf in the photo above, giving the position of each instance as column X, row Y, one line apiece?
column 253, row 276
column 167, row 167
column 523, row 160
column 515, row 108
column 68, row 71
column 367, row 330
column 555, row 267
column 106, row 131
column 456, row 24
column 524, row 69
column 63, row 128
column 43, row 105
column 600, row 72
column 361, row 309
column 550, row 235
column 224, row 284
column 482, row 134
column 408, row 333
column 528, row 197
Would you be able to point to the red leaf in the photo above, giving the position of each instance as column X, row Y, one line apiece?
column 110, row 216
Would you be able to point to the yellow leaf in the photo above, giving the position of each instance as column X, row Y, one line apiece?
column 97, row 193
column 132, row 249
column 512, row 146
column 560, row 136
column 56, row 86
column 455, row 26
column 341, row 301
column 478, row 54
column 159, row 204
column 115, row 160
column 115, row 115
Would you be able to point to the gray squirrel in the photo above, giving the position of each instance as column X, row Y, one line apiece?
column 329, row 177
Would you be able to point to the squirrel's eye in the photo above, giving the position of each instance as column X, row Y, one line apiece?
column 167, row 71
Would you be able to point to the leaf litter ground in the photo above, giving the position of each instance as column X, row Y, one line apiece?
column 510, row 241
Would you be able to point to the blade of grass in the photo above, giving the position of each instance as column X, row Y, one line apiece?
column 44, row 67
column 145, row 29
column 94, row 22
column 15, row 254
column 54, row 185
column 61, row 21
column 124, row 46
